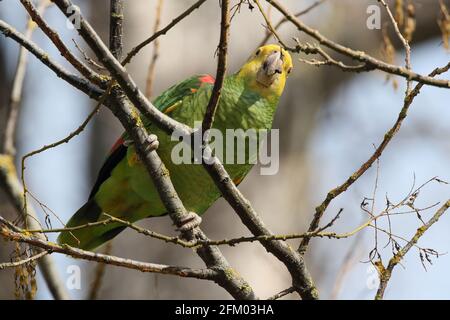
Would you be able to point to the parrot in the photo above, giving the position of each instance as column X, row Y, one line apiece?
column 124, row 189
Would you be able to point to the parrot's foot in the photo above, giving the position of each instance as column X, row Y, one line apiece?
column 191, row 221
column 151, row 143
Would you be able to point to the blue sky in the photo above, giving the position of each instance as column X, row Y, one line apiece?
column 356, row 118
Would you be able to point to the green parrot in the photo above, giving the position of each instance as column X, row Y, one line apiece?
column 124, row 188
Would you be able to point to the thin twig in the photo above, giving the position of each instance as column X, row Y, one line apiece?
column 284, row 20
column 358, row 55
column 99, row 275
column 271, row 29
column 282, row 293
column 116, row 17
column 161, row 32
column 328, row 60
column 62, row 48
column 294, row 262
column 78, row 82
column 319, row 211
column 13, row 189
column 24, row 261
column 86, row 57
column 15, row 97
column 152, row 66
column 213, row 102
column 205, row 274
column 404, row 42
column 59, row 142
column 386, row 273
column 8, row 172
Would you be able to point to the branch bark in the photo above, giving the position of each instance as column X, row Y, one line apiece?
column 80, row 83
column 386, row 273
column 357, row 55
column 294, row 262
column 9, row 181
column 20, row 236
column 213, row 102
column 211, row 255
column 320, row 210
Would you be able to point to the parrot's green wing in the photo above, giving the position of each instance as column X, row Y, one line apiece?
column 90, row 212
column 166, row 102
column 172, row 96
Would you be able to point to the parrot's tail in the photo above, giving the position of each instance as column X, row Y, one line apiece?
column 89, row 237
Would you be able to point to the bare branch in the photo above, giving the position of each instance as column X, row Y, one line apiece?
column 302, row 280
column 282, row 293
column 116, row 28
column 359, row 55
column 213, row 102
column 59, row 44
column 205, row 274
column 24, row 261
column 76, row 81
column 284, row 20
column 386, row 273
column 99, row 275
column 12, row 108
column 152, row 66
column 211, row 255
column 404, row 42
column 161, row 32
column 73, row 134
column 366, row 165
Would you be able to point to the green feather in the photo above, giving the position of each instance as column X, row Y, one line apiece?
column 129, row 192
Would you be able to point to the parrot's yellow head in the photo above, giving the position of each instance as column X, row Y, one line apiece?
column 267, row 69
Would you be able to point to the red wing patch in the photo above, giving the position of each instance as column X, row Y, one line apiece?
column 116, row 145
column 207, row 79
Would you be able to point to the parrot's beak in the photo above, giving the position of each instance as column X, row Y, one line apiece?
column 271, row 69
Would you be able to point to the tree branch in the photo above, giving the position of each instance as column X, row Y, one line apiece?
column 302, row 280
column 319, row 211
column 358, row 55
column 284, row 20
column 74, row 80
column 12, row 109
column 21, row 236
column 116, row 28
column 386, row 273
column 8, row 171
column 213, row 102
column 15, row 264
column 161, row 32
column 59, row 44
column 211, row 255
column 155, row 55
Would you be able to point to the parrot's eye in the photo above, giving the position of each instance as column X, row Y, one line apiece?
column 257, row 52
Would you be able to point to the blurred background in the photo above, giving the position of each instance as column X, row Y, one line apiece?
column 329, row 122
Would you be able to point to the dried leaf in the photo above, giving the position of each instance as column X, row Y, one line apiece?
column 444, row 24
column 410, row 22
column 399, row 14
column 388, row 53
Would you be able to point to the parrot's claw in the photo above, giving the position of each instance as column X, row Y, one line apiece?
column 191, row 221
column 128, row 143
column 152, row 143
